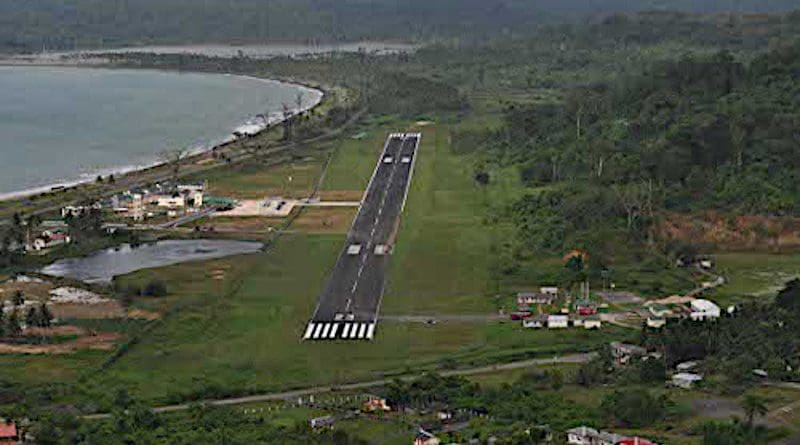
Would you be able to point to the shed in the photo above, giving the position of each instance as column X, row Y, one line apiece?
column 686, row 380
column 322, row 422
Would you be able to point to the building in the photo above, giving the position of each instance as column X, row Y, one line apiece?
column 172, row 201
column 582, row 435
column 529, row 298
column 585, row 307
column 375, row 405
column 592, row 322
column 606, row 438
column 686, row 380
column 625, row 352
column 76, row 211
column 686, row 366
column 425, row 438
column 659, row 310
column 322, row 422
column 549, row 290
column 8, row 433
column 535, row 322
column 47, row 240
column 557, row 321
column 656, row 322
column 635, row 441
column 704, row 310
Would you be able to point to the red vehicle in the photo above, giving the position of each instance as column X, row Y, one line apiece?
column 587, row 310
column 516, row 316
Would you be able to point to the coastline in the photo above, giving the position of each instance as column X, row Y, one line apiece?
column 252, row 129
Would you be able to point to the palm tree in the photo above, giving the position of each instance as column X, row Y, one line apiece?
column 753, row 406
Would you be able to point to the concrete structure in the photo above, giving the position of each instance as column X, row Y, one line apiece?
column 656, row 322
column 582, row 435
column 171, row 202
column 704, row 310
column 686, row 380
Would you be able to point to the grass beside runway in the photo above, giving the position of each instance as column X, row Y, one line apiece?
column 243, row 335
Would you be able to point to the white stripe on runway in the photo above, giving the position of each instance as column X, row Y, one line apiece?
column 325, row 330
column 362, row 331
column 346, row 330
column 317, row 331
column 370, row 331
column 333, row 331
column 309, row 329
column 354, row 330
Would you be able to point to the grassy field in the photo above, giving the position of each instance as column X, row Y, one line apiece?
column 294, row 179
column 233, row 326
column 754, row 275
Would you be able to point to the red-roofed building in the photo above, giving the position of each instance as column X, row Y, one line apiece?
column 8, row 433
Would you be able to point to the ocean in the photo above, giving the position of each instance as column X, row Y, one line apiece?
column 63, row 125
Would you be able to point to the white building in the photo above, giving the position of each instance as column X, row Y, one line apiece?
column 704, row 310
column 592, row 323
column 171, row 201
column 686, row 380
column 557, row 321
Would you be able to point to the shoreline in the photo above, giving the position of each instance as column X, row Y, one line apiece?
column 253, row 129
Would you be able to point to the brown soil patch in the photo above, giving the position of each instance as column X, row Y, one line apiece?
column 109, row 309
column 325, row 220
column 142, row 314
column 54, row 331
column 32, row 291
column 341, row 195
column 104, row 341
column 734, row 232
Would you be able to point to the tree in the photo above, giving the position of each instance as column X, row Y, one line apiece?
column 32, row 317
column 753, row 406
column 174, row 157
column 789, row 297
column 19, row 298
column 634, row 408
column 652, row 371
column 155, row 288
column 45, row 316
column 13, row 327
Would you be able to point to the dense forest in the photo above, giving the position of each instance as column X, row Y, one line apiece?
column 30, row 25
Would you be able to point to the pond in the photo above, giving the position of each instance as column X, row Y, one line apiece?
column 103, row 266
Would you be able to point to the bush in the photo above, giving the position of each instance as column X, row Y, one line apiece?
column 155, row 288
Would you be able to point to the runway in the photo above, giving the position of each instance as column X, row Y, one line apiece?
column 349, row 303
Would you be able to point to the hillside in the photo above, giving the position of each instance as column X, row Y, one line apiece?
column 30, row 25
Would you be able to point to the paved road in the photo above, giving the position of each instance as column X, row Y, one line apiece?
column 350, row 300
column 291, row 395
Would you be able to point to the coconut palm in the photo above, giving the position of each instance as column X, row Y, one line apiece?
column 753, row 406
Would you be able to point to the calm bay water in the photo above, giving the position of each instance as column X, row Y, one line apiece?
column 59, row 125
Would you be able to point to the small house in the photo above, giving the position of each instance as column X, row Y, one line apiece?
column 635, row 441
column 704, row 310
column 549, row 290
column 582, row 435
column 322, row 422
column 536, row 322
column 425, row 438
column 557, row 321
column 592, row 322
column 375, row 405
column 48, row 239
column 530, row 298
column 606, row 438
column 686, row 380
column 8, row 433
column 656, row 322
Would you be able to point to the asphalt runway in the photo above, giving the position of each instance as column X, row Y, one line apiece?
column 349, row 303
